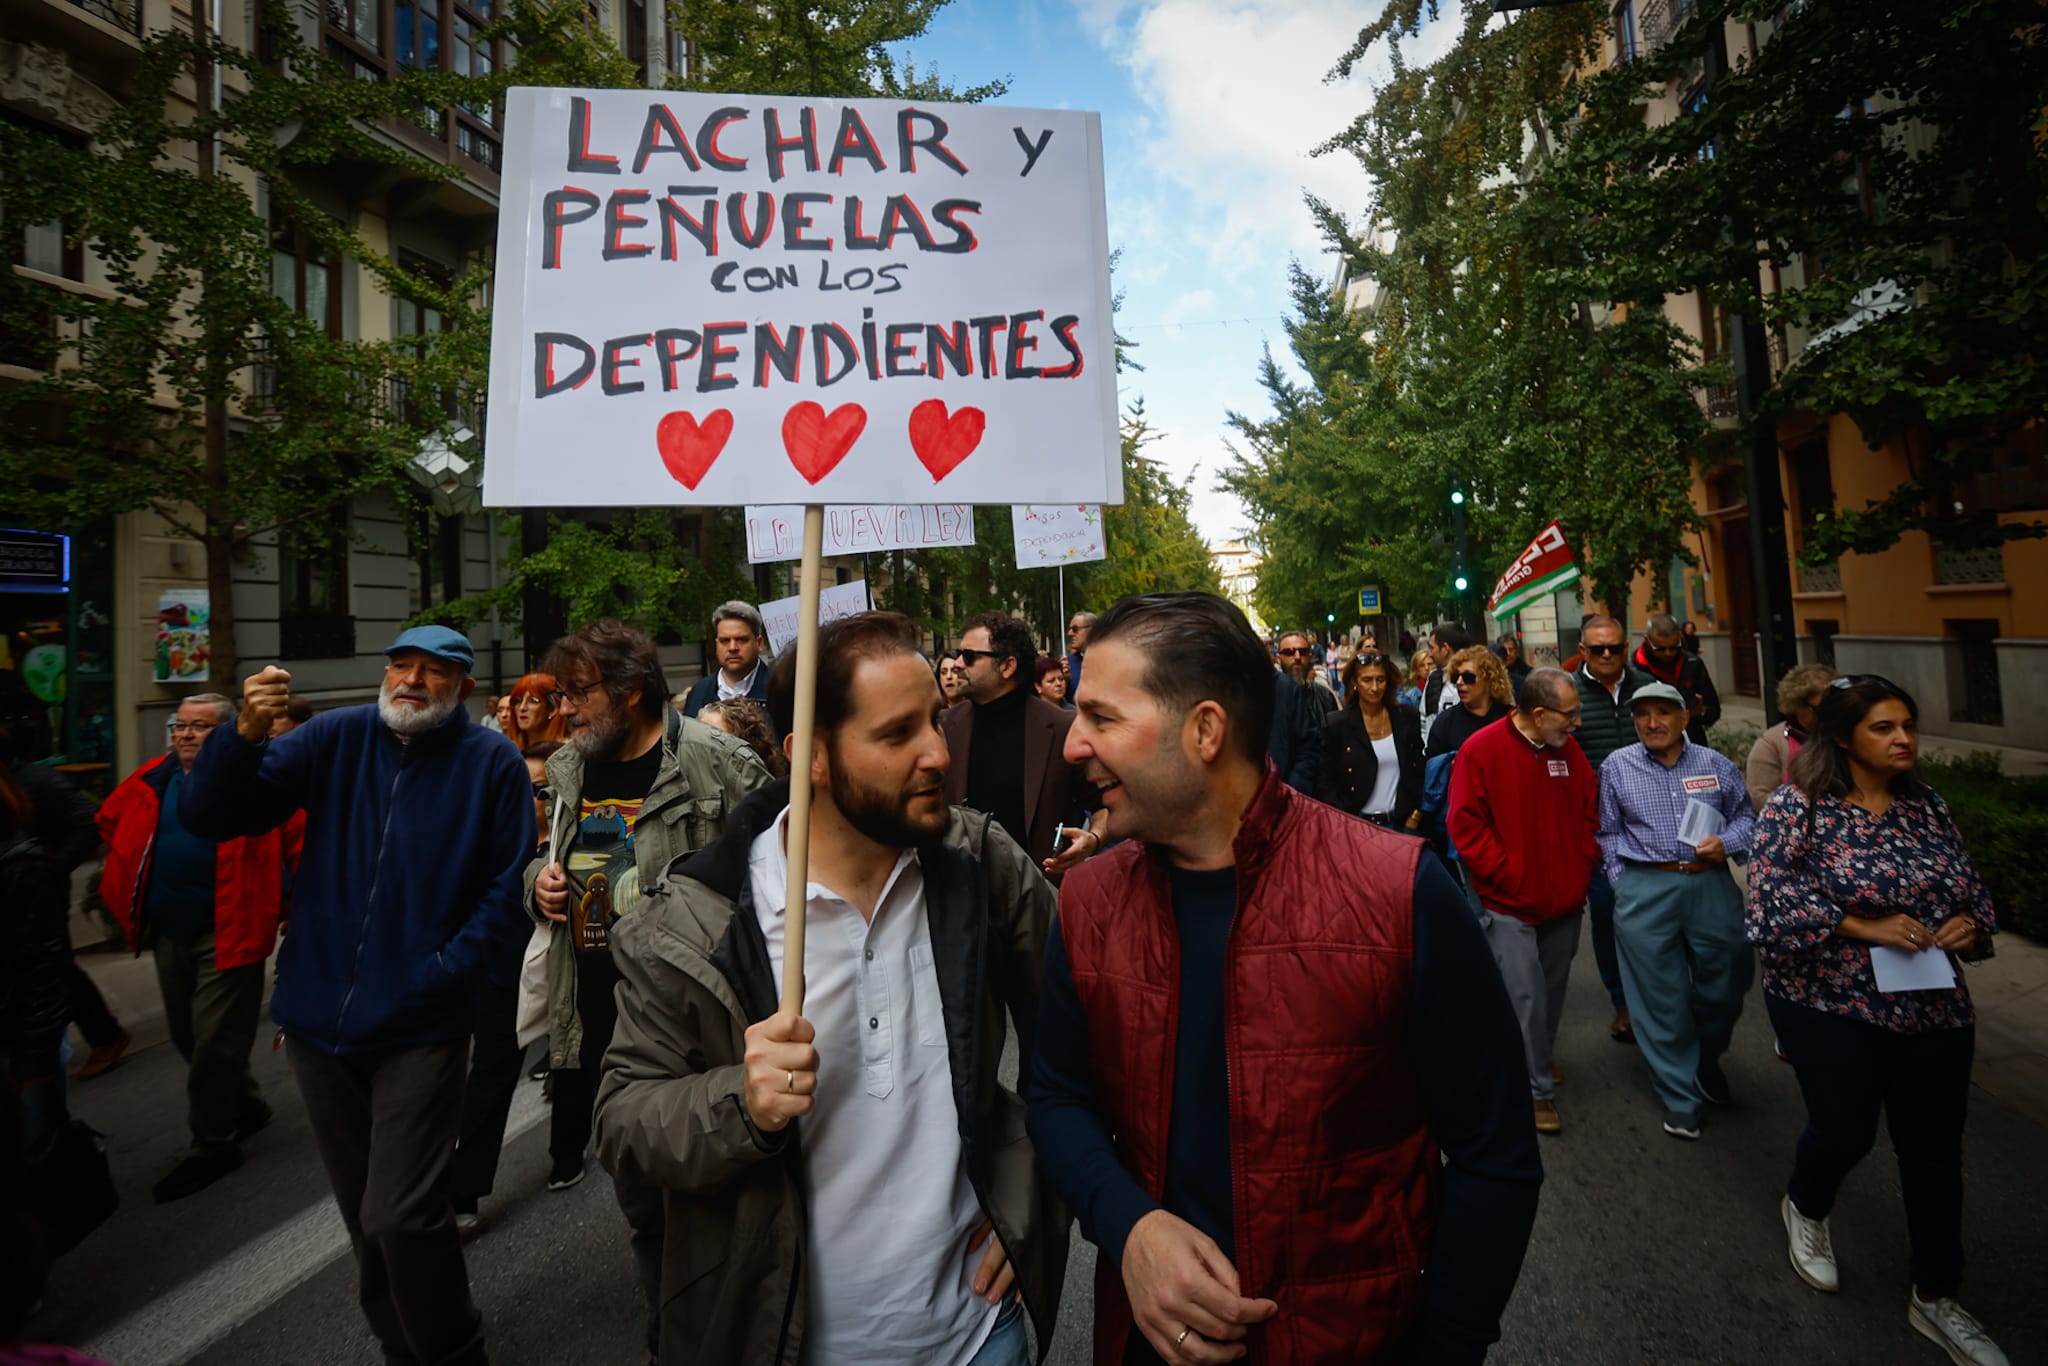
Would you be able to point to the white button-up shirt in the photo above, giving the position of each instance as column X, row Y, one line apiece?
column 889, row 1276
column 728, row 691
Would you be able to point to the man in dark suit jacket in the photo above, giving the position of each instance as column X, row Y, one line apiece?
column 737, row 639
column 1006, row 745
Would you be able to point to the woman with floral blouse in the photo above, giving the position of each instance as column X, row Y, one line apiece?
column 1856, row 855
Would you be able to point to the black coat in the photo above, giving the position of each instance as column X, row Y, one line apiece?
column 35, row 957
column 1292, row 745
column 1348, row 766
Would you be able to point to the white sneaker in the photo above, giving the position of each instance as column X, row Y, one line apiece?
column 1949, row 1325
column 1811, row 1250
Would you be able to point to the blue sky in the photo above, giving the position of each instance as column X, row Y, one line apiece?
column 1210, row 109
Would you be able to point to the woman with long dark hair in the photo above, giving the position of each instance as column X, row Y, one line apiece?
column 1861, row 898
column 1371, row 758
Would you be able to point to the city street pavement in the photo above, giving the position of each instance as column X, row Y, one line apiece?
column 1647, row 1249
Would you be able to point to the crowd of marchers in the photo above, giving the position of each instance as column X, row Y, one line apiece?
column 1298, row 1118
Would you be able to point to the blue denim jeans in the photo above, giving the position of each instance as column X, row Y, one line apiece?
column 1007, row 1343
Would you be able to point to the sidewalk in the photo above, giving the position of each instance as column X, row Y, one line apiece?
column 1742, row 713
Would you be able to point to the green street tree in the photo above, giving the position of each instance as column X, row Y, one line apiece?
column 1886, row 160
column 1479, row 362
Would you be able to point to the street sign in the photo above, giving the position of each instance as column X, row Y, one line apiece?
column 1369, row 601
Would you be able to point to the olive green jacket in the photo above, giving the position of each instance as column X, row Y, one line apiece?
column 695, row 974
column 704, row 774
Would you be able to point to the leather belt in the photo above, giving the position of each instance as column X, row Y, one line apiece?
column 1688, row 868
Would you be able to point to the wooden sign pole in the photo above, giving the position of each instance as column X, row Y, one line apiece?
column 795, row 898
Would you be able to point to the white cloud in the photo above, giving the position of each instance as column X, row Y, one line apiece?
column 1193, row 306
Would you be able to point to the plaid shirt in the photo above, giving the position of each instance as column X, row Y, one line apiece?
column 1641, row 801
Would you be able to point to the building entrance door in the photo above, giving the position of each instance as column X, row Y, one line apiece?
column 1739, row 597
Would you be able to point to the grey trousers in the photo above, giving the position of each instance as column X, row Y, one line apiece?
column 386, row 1125
column 1535, row 962
column 213, row 1017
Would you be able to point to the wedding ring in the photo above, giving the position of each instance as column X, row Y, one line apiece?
column 790, row 1085
column 1184, row 1334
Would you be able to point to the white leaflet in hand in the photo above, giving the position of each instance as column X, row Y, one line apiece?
column 1905, row 970
column 1699, row 821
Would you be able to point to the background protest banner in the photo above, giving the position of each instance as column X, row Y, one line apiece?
column 777, row 533
column 1057, row 533
column 729, row 299
column 840, row 600
column 1545, row 566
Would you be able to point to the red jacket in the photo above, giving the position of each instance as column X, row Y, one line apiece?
column 1525, row 820
column 1334, row 1172
column 248, row 898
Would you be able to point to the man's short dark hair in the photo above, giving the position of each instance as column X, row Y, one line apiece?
column 843, row 646
column 1663, row 624
column 1545, row 688
column 1198, row 648
column 622, row 658
column 1451, row 634
column 1008, row 638
column 299, row 710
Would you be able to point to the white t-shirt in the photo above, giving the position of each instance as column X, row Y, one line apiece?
column 1385, row 778
column 888, row 1275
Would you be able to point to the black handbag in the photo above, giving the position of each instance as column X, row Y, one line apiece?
column 70, row 1186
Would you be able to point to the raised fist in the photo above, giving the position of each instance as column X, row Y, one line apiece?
column 264, row 698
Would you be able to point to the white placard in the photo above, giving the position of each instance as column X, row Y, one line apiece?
column 1057, row 533
column 1905, row 970
column 777, row 533
column 839, row 600
column 729, row 299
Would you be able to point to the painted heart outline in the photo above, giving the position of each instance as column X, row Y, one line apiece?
column 816, row 441
column 688, row 447
column 943, row 441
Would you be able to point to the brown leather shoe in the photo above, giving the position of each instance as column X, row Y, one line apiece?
column 1621, row 1031
column 1547, row 1120
column 103, row 1059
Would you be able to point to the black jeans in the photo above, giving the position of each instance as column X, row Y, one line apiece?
column 385, row 1125
column 575, row 1096
column 89, row 1011
column 494, row 1072
column 1848, row 1071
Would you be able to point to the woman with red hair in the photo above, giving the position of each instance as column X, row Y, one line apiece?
column 534, row 719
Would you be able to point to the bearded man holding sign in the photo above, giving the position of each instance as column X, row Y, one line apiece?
column 852, row 1183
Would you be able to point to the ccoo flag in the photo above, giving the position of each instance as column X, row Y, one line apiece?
column 1544, row 567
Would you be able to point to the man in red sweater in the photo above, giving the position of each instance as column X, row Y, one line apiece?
column 1524, row 817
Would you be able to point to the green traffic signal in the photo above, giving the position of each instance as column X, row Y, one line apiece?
column 1457, row 497
column 1461, row 583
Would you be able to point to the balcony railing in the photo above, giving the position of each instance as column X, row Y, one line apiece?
column 1821, row 578
column 1976, row 564
column 125, row 15
column 1721, row 404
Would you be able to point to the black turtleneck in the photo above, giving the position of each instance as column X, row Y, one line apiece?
column 995, row 763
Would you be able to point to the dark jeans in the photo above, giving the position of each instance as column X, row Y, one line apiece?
column 1848, row 1071
column 575, row 1096
column 89, row 1011
column 1600, row 910
column 494, row 1072
column 213, row 1018
column 385, row 1124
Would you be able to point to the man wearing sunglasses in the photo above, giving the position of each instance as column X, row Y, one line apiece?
column 1299, row 659
column 1606, row 683
column 1006, row 744
column 1662, row 656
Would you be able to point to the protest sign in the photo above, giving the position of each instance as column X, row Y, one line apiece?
column 728, row 299
column 776, row 533
column 1057, row 533
column 840, row 600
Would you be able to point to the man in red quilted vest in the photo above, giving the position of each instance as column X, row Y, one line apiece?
column 1296, row 1125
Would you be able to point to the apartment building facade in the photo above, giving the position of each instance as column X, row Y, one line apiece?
column 85, row 609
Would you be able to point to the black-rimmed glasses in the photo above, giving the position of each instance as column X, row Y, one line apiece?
column 968, row 656
column 572, row 693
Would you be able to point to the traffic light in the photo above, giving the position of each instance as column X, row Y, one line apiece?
column 1461, row 583
column 1457, row 498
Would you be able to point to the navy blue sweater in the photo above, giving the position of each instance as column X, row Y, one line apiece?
column 1465, row 1050
column 410, row 880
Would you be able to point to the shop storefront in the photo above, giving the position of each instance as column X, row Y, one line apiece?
column 57, row 649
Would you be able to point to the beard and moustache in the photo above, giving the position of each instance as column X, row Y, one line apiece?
column 406, row 722
column 882, row 816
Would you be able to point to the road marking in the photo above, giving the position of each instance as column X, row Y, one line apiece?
column 180, row 1324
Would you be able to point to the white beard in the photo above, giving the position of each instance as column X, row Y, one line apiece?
column 407, row 721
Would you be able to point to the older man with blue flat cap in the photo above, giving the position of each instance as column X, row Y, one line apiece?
column 418, row 826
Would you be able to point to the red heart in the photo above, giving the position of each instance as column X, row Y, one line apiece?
column 818, row 441
column 942, row 442
column 689, row 447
